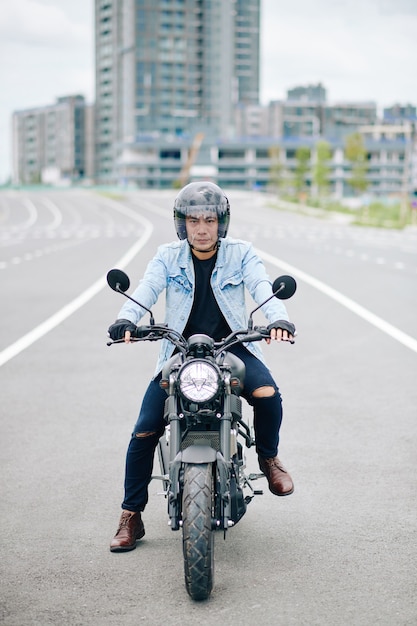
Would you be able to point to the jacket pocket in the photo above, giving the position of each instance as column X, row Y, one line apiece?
column 232, row 281
column 179, row 282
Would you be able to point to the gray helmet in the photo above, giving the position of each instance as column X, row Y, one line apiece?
column 201, row 198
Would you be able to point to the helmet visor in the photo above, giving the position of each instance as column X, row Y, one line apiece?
column 206, row 211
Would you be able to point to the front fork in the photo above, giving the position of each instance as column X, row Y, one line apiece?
column 223, row 464
column 174, row 491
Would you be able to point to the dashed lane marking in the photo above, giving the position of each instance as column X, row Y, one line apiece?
column 65, row 240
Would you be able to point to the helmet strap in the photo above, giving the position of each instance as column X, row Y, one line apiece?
column 215, row 247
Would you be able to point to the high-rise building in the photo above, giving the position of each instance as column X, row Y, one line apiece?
column 246, row 50
column 171, row 68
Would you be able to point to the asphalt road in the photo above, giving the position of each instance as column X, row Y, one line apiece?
column 340, row 551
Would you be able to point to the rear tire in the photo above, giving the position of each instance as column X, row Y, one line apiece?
column 197, row 532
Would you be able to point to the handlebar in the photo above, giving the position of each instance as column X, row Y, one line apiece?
column 161, row 331
column 154, row 332
column 244, row 336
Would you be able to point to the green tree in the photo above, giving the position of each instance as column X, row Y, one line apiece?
column 275, row 170
column 355, row 152
column 302, row 157
column 35, row 178
column 321, row 169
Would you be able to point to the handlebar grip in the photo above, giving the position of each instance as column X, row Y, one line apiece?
column 142, row 331
column 262, row 330
column 265, row 332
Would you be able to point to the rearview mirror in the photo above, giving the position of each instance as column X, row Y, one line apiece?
column 284, row 287
column 118, row 280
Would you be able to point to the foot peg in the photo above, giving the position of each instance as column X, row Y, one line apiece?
column 256, row 476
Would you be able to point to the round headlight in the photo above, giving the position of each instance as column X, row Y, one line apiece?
column 199, row 381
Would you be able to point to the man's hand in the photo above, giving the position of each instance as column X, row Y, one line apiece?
column 281, row 330
column 121, row 329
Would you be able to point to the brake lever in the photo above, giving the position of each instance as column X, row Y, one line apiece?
column 132, row 340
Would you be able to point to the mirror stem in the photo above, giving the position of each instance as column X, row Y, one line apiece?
column 250, row 320
column 151, row 318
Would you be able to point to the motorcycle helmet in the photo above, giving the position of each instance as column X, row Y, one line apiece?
column 201, row 198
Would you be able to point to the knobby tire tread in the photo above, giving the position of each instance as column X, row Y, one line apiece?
column 198, row 535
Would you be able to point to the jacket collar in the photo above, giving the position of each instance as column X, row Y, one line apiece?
column 221, row 253
column 184, row 257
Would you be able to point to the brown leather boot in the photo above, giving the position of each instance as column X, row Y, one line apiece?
column 280, row 482
column 130, row 530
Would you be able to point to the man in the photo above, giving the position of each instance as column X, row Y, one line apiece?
column 204, row 276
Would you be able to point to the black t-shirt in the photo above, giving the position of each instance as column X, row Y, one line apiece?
column 205, row 316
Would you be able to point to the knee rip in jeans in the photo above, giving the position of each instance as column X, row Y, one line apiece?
column 143, row 435
column 264, row 392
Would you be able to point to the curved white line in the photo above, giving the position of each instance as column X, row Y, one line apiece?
column 33, row 214
column 56, row 214
column 73, row 306
column 353, row 306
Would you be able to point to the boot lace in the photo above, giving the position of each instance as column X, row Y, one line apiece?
column 124, row 520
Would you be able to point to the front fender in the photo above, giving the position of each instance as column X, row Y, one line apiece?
column 195, row 454
column 198, row 453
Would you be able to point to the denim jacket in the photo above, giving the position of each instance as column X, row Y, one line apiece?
column 237, row 266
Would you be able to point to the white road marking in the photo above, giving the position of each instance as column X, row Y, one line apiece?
column 56, row 213
column 56, row 319
column 353, row 306
column 73, row 306
column 33, row 214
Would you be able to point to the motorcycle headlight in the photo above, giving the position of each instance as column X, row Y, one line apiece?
column 198, row 381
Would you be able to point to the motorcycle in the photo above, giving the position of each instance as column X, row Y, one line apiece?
column 201, row 454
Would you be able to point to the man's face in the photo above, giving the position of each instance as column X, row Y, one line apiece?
column 202, row 231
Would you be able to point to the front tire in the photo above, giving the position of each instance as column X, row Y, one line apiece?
column 197, row 532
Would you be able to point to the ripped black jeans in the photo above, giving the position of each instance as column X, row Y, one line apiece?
column 150, row 426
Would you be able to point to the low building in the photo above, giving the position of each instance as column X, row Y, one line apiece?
column 264, row 163
column 54, row 143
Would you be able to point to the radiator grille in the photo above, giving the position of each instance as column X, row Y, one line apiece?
column 211, row 439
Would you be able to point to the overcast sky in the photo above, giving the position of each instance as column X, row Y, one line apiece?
column 361, row 50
